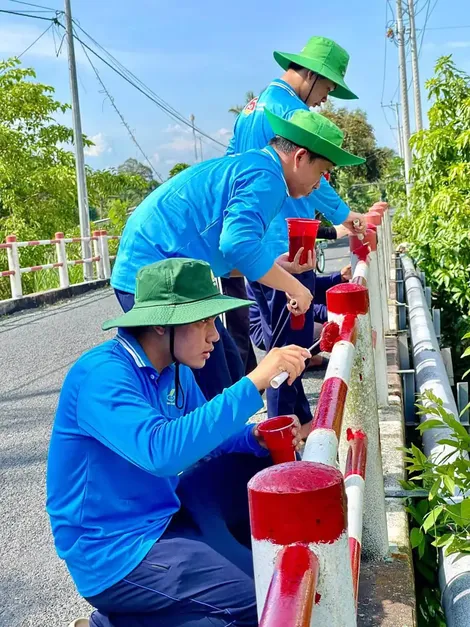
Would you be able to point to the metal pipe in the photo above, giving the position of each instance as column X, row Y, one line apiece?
column 454, row 570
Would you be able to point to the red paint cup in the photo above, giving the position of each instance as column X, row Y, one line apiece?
column 277, row 433
column 297, row 322
column 302, row 233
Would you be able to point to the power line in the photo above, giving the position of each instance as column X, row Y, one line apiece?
column 30, row 4
column 34, row 42
column 113, row 104
column 448, row 27
column 22, row 14
column 140, row 86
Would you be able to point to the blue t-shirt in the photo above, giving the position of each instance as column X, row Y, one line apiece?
column 217, row 211
column 252, row 131
column 118, row 444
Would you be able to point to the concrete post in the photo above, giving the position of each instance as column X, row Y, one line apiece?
column 375, row 219
column 14, row 266
column 303, row 502
column 61, row 253
column 97, row 253
column 104, row 254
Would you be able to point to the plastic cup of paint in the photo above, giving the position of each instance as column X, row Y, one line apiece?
column 277, row 434
column 302, row 234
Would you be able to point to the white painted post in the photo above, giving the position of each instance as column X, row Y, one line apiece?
column 62, row 258
column 97, row 253
column 380, row 349
column 361, row 413
column 104, row 254
column 14, row 266
column 375, row 219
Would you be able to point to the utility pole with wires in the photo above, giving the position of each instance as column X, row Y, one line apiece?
column 83, row 213
column 415, row 67
column 194, row 137
column 404, row 95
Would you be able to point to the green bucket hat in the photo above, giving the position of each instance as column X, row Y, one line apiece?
column 316, row 133
column 324, row 57
column 173, row 292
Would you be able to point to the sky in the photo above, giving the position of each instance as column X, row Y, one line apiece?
column 202, row 56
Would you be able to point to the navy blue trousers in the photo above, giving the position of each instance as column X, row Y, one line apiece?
column 199, row 573
column 274, row 313
column 223, row 369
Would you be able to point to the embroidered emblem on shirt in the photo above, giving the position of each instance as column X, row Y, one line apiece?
column 251, row 106
column 170, row 399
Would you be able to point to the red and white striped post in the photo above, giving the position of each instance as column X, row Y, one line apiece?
column 14, row 267
column 372, row 283
column 323, row 440
column 361, row 411
column 376, row 219
column 104, row 253
column 97, row 253
column 292, row 590
column 302, row 503
column 354, row 476
column 61, row 253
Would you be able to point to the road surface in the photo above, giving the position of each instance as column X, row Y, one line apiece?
column 37, row 349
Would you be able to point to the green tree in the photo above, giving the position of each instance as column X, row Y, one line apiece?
column 138, row 169
column 437, row 219
column 239, row 108
column 177, row 168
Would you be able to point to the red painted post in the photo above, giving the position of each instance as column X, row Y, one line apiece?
column 303, row 503
column 61, row 253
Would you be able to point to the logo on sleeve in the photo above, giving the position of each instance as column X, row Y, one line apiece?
column 251, row 106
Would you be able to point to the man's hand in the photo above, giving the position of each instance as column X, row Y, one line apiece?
column 360, row 227
column 295, row 267
column 290, row 359
column 303, row 299
column 346, row 274
column 341, row 231
column 296, row 434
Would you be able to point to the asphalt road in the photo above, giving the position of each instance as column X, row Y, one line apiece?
column 36, row 350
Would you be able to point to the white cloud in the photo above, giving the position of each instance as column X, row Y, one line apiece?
column 100, row 146
column 459, row 44
column 155, row 158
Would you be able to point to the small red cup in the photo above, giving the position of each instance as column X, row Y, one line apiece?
column 277, row 433
column 297, row 322
column 302, row 233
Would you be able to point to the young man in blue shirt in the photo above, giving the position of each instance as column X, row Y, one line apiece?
column 130, row 421
column 219, row 211
column 310, row 78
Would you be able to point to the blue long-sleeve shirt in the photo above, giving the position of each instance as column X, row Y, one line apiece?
column 252, row 130
column 217, row 211
column 118, row 444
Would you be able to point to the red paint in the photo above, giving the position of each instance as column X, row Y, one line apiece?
column 57, row 265
column 374, row 338
column 348, row 331
column 59, row 235
column 10, row 238
column 374, row 218
column 7, row 273
column 297, row 502
column 302, row 233
column 347, row 298
column 329, row 335
column 362, row 253
column 370, row 238
column 297, row 322
column 355, row 553
column 277, row 434
column 330, row 406
column 292, row 589
column 371, row 227
column 36, row 268
column 359, row 280
column 5, row 245
column 357, row 453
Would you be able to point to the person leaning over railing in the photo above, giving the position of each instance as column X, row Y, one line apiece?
column 130, row 420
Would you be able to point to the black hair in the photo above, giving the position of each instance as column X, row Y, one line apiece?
column 288, row 147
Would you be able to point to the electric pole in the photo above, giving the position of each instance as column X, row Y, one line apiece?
column 404, row 95
column 200, row 149
column 79, row 155
column 415, row 67
column 194, row 137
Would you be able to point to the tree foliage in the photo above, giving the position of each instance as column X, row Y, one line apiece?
column 237, row 109
column 437, row 220
column 177, row 168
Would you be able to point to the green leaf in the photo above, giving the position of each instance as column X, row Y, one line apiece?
column 449, row 484
column 431, row 424
column 434, row 489
column 432, row 517
column 416, row 537
column 442, row 540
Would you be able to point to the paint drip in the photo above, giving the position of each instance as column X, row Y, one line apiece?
column 329, row 335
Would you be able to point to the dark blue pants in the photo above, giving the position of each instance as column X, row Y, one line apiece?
column 199, row 574
column 273, row 311
column 223, row 369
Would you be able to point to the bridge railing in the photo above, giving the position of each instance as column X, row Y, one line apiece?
column 324, row 513
column 101, row 258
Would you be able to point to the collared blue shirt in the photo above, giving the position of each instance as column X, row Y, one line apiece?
column 217, row 211
column 252, row 130
column 118, row 444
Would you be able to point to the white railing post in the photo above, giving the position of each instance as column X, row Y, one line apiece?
column 104, row 254
column 14, row 266
column 375, row 219
column 62, row 259
column 97, row 252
